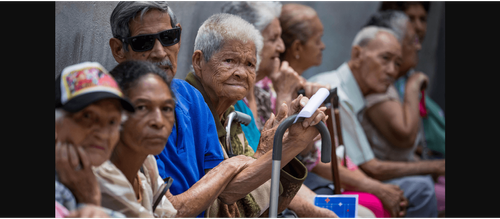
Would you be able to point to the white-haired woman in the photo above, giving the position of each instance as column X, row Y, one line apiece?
column 275, row 84
column 225, row 62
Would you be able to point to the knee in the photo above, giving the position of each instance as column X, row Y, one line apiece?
column 424, row 186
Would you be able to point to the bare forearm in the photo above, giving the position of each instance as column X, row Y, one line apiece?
column 411, row 112
column 384, row 170
column 204, row 192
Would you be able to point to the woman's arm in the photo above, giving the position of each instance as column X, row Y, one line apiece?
column 399, row 122
column 294, row 142
column 204, row 192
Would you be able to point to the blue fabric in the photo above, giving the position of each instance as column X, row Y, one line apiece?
column 64, row 196
column 252, row 133
column 193, row 146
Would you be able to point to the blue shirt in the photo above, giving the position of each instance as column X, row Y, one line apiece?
column 193, row 146
column 252, row 133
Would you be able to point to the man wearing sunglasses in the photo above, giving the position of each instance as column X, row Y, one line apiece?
column 148, row 31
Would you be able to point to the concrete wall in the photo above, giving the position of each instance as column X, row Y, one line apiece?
column 83, row 32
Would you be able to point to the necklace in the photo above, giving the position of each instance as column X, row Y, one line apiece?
column 139, row 199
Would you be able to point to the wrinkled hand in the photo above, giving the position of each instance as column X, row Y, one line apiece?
column 419, row 81
column 304, row 131
column 269, row 129
column 285, row 80
column 393, row 199
column 326, row 213
column 75, row 172
column 88, row 211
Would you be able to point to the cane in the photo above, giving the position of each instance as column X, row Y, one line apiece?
column 277, row 149
column 331, row 104
column 238, row 117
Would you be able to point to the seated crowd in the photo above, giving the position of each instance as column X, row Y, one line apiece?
column 136, row 142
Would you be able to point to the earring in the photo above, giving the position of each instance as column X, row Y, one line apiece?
column 297, row 57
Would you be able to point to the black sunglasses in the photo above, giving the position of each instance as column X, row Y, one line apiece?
column 143, row 43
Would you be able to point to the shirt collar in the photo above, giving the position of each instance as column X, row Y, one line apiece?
column 196, row 83
column 351, row 88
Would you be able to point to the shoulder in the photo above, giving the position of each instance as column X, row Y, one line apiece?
column 328, row 77
column 187, row 96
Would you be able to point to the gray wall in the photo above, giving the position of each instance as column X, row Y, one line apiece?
column 83, row 32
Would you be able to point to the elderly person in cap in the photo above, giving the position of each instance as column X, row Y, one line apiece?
column 89, row 111
column 225, row 62
column 149, row 31
column 374, row 64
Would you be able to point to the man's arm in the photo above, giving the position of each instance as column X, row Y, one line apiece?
column 399, row 122
column 204, row 192
column 384, row 170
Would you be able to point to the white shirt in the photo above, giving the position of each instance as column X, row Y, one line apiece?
column 352, row 103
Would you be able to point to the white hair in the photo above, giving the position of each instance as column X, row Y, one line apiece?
column 365, row 35
column 258, row 13
column 219, row 28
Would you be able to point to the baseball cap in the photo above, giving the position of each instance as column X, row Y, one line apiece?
column 82, row 84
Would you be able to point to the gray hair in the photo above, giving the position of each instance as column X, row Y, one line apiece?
column 126, row 11
column 395, row 20
column 365, row 35
column 219, row 28
column 258, row 13
column 295, row 23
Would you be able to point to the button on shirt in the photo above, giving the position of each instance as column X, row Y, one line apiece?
column 352, row 104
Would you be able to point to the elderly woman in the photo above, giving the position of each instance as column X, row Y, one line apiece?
column 88, row 111
column 225, row 62
column 264, row 97
column 130, row 182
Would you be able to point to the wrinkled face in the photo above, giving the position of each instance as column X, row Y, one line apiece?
column 380, row 61
column 410, row 47
column 313, row 48
column 154, row 21
column 146, row 131
column 231, row 71
column 273, row 46
column 418, row 18
column 94, row 128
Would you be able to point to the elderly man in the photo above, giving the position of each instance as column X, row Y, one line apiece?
column 374, row 64
column 394, row 127
column 149, row 31
column 88, row 111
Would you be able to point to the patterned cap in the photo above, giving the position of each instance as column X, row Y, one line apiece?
column 82, row 84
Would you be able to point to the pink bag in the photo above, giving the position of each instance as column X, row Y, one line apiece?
column 61, row 211
column 423, row 110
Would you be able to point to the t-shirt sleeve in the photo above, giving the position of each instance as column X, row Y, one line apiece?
column 373, row 99
column 213, row 150
column 355, row 141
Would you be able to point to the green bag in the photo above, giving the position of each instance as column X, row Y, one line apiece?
column 434, row 128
